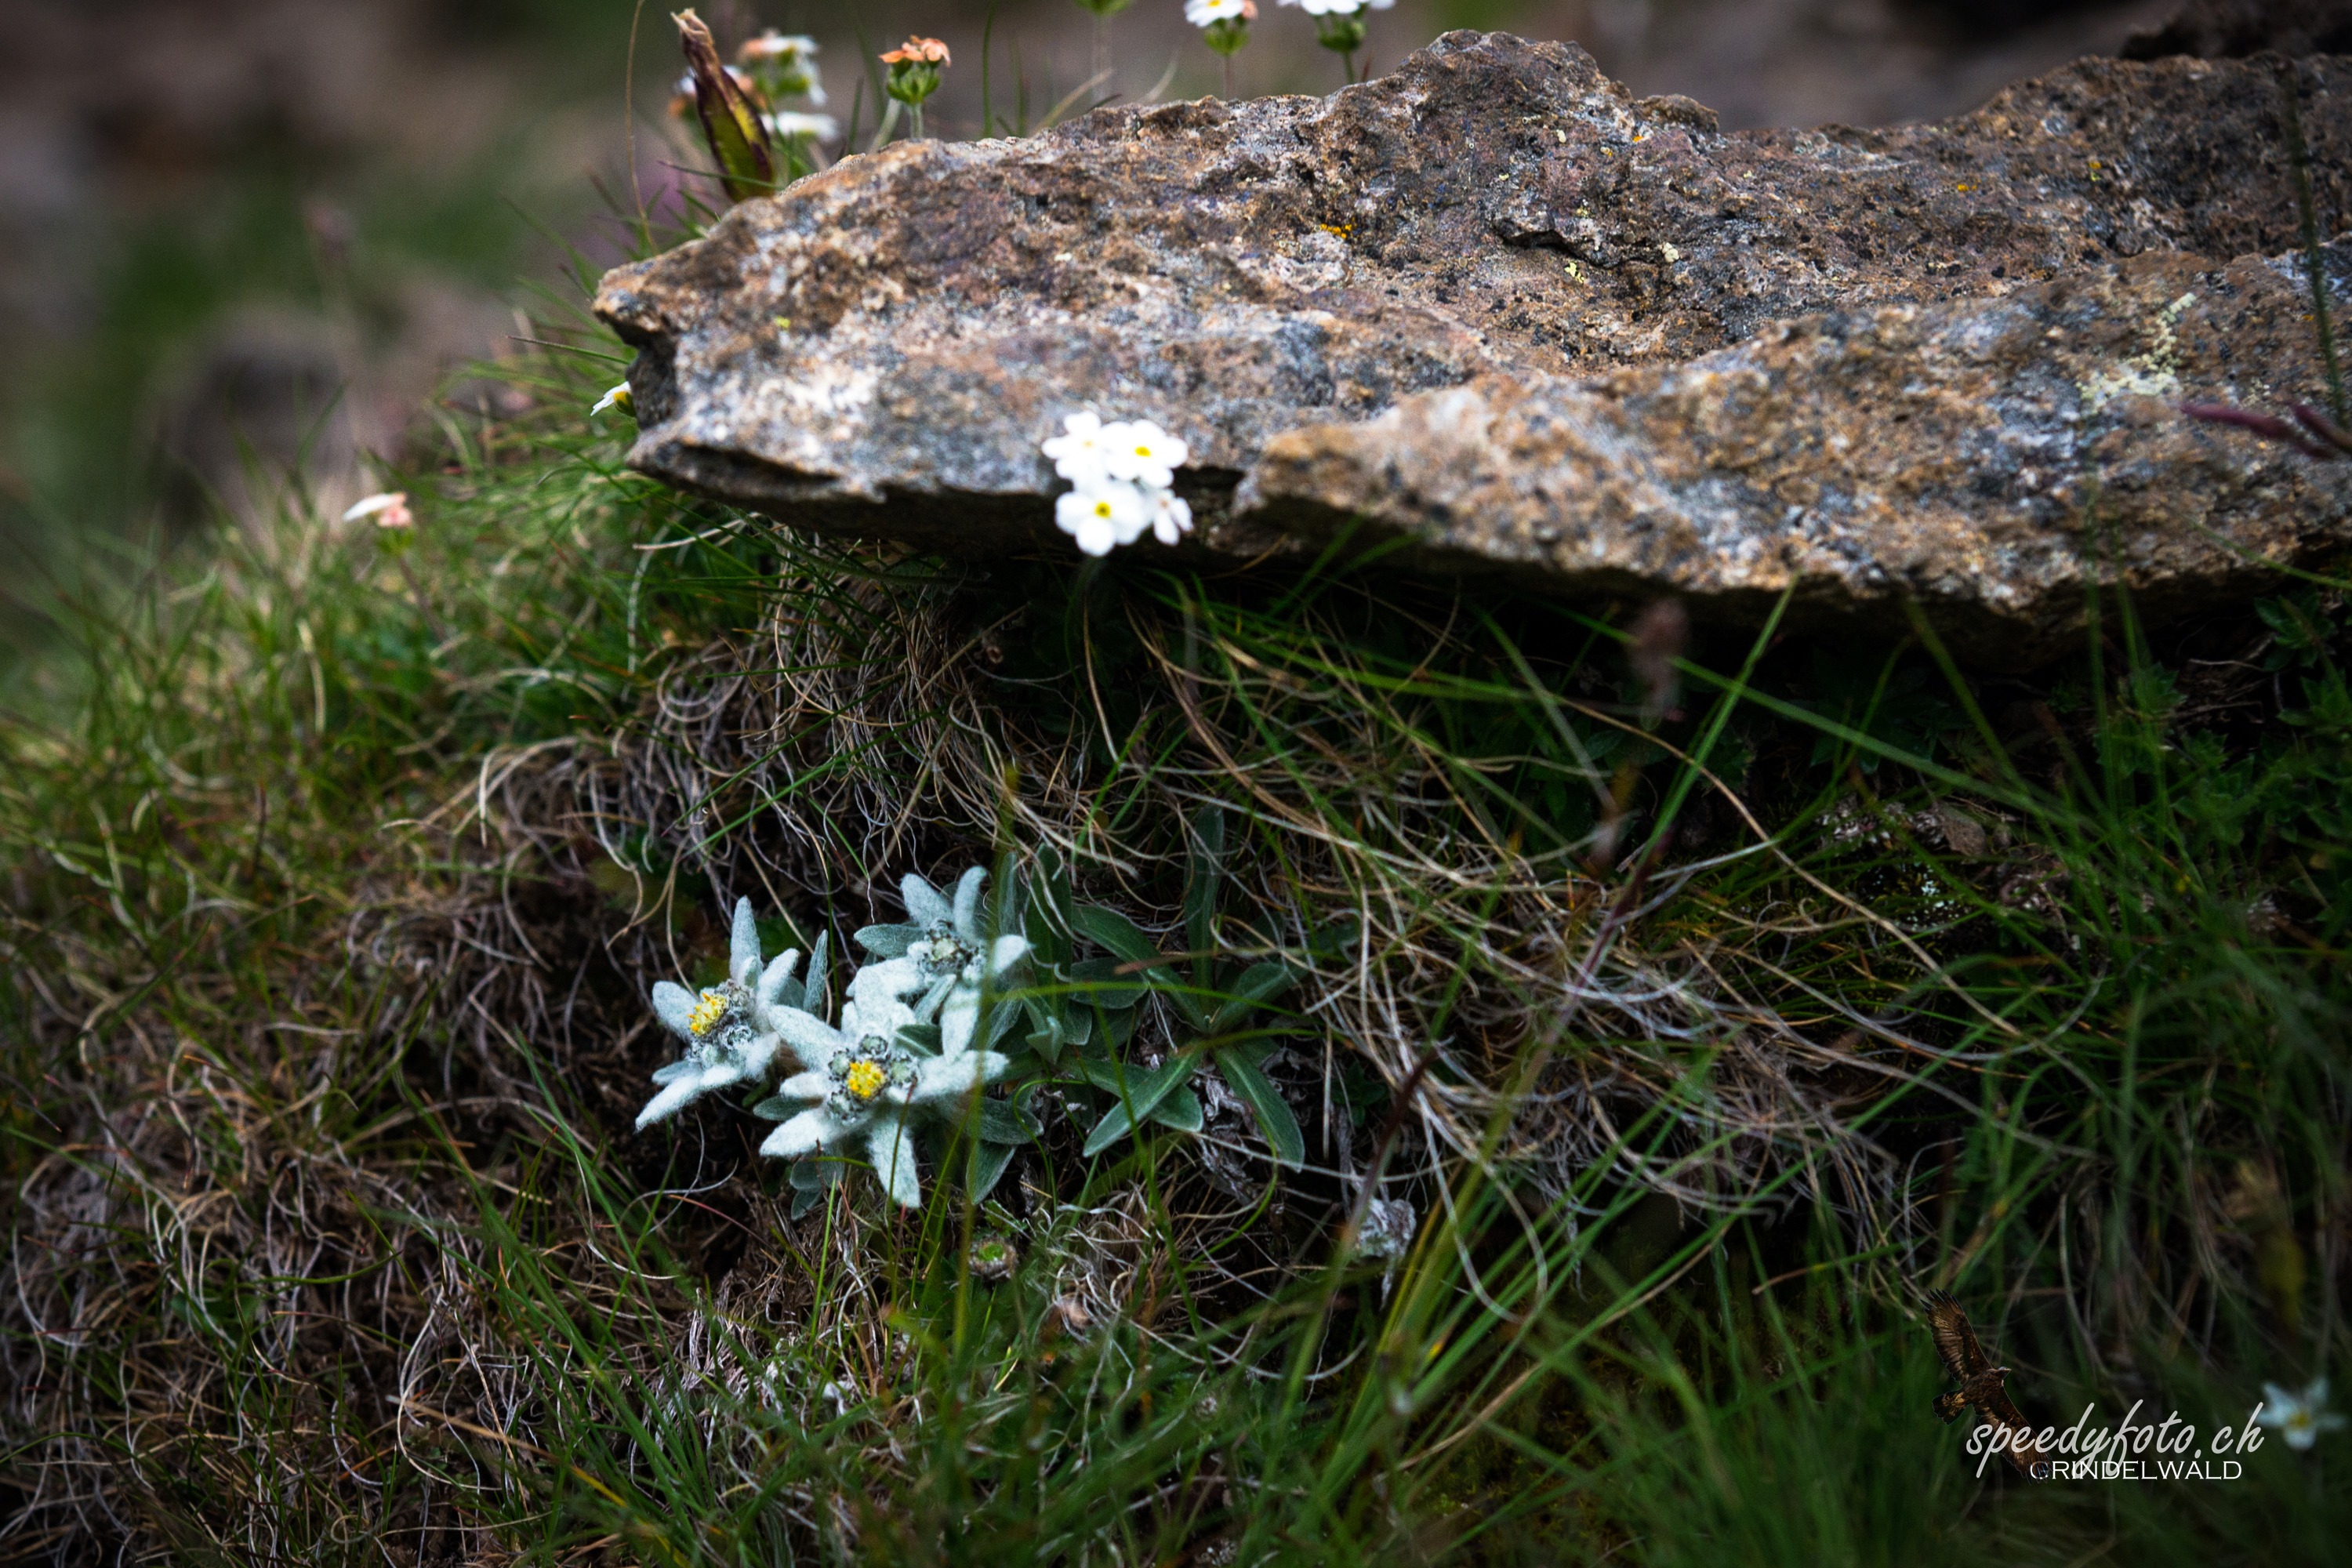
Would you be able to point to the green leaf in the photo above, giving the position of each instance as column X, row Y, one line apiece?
column 1002, row 1013
column 1047, row 923
column 1104, row 985
column 1181, row 1110
column 986, row 1166
column 1145, row 1089
column 1258, row 984
column 923, row 1038
column 1274, row 1122
column 1114, row 931
column 886, row 942
column 1001, row 1121
column 777, row 1108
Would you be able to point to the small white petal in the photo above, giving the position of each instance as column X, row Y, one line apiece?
column 894, row 1162
column 805, row 1134
column 674, row 1005
column 383, row 500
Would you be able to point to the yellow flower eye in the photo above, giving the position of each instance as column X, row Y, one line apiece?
column 1102, row 509
column 707, row 1013
column 865, row 1079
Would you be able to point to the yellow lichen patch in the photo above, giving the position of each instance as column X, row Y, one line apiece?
column 707, row 1013
column 865, row 1079
column 2156, row 374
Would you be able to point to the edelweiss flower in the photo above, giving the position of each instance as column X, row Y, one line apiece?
column 1142, row 452
column 869, row 1082
column 939, row 956
column 2299, row 1418
column 1203, row 13
column 730, row 1030
column 1102, row 514
column 390, row 510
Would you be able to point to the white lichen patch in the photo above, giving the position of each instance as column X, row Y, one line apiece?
column 827, row 390
column 2155, row 373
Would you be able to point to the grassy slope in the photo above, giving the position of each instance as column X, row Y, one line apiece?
column 323, row 1029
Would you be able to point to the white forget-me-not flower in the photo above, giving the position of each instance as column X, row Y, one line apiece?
column 2299, row 1418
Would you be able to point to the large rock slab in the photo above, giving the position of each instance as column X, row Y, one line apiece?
column 1987, row 460
column 881, row 349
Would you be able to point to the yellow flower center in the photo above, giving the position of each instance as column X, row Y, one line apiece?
column 865, row 1079
column 1102, row 509
column 1143, row 451
column 707, row 1013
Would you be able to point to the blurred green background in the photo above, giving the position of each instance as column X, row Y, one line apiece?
column 254, row 242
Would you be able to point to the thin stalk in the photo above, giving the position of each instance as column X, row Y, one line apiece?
column 2299, row 162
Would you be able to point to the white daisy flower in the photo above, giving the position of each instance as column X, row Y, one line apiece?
column 2300, row 1418
column 785, row 124
column 730, row 1029
column 390, row 510
column 1102, row 514
column 1338, row 7
column 1203, row 13
column 1079, row 453
column 619, row 397
column 868, row 1083
column 1170, row 516
column 943, row 951
column 1141, row 451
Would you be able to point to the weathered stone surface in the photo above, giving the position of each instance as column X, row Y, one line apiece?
column 881, row 349
column 1987, row 460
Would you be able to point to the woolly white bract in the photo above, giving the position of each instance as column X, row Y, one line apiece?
column 730, row 1030
column 870, row 1079
column 943, row 958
